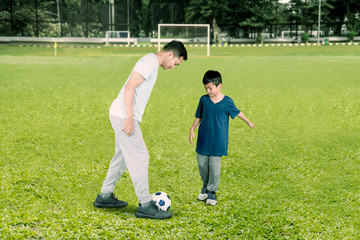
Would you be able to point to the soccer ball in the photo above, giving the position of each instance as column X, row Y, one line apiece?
column 162, row 200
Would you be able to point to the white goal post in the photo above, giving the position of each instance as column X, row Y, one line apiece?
column 118, row 37
column 187, row 33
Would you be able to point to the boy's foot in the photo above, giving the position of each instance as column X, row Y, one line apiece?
column 109, row 202
column 204, row 194
column 150, row 210
column 211, row 199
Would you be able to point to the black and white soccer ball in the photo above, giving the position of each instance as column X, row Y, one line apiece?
column 162, row 200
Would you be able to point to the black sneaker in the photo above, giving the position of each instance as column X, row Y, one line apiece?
column 211, row 199
column 109, row 202
column 152, row 211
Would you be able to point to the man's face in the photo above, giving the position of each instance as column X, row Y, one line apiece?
column 171, row 62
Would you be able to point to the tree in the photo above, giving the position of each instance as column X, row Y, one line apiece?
column 352, row 10
column 207, row 11
column 337, row 15
column 236, row 13
column 307, row 13
column 140, row 18
column 165, row 11
column 344, row 12
column 260, row 14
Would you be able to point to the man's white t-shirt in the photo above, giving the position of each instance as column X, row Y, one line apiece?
column 147, row 67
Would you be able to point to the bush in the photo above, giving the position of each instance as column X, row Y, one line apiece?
column 351, row 34
column 259, row 40
column 305, row 38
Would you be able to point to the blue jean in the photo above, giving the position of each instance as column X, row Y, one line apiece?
column 130, row 153
column 209, row 168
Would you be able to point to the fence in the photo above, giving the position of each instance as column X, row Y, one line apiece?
column 92, row 18
column 58, row 18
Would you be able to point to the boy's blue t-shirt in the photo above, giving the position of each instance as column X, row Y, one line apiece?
column 214, row 126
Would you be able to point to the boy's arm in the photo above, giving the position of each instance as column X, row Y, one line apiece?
column 242, row 117
column 193, row 127
column 135, row 80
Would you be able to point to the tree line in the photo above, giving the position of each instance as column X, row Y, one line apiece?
column 235, row 18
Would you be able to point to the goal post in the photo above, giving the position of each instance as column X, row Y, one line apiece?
column 118, row 37
column 187, row 33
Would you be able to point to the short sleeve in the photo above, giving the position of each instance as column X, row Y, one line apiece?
column 233, row 110
column 199, row 109
column 146, row 66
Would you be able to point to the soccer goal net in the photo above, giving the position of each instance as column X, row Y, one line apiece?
column 117, row 37
column 186, row 33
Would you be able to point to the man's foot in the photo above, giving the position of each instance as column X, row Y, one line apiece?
column 211, row 199
column 204, row 194
column 150, row 210
column 109, row 202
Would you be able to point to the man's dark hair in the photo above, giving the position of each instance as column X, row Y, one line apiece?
column 177, row 48
column 213, row 77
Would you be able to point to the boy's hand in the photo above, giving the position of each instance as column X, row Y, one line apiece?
column 192, row 129
column 191, row 136
column 128, row 127
column 242, row 117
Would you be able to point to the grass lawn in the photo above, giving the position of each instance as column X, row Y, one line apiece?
column 295, row 176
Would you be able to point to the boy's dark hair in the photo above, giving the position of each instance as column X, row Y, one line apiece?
column 213, row 77
column 177, row 48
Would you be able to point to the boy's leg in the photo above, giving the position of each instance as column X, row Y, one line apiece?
column 214, row 179
column 203, row 164
column 214, row 173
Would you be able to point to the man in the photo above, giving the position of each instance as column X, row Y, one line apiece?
column 125, row 115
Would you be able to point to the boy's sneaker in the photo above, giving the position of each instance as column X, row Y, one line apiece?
column 211, row 199
column 204, row 194
column 150, row 210
column 109, row 202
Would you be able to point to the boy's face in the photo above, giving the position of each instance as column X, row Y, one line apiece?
column 212, row 89
column 171, row 61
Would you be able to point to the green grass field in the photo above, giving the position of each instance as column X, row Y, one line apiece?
column 295, row 176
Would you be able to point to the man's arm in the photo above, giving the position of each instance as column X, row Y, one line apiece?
column 195, row 124
column 242, row 117
column 135, row 80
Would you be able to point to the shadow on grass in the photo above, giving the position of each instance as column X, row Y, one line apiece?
column 130, row 209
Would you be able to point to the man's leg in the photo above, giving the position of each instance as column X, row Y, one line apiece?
column 116, row 169
column 136, row 157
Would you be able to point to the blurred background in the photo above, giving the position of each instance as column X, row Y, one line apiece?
column 297, row 20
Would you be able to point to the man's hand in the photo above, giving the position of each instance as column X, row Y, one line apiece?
column 128, row 127
column 135, row 80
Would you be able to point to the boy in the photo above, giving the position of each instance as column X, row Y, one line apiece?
column 213, row 113
column 125, row 116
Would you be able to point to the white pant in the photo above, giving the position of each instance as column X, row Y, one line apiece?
column 130, row 153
